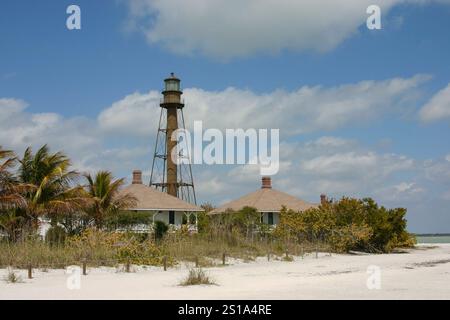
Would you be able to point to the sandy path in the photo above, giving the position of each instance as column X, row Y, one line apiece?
column 423, row 273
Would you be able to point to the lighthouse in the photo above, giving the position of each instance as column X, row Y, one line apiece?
column 167, row 175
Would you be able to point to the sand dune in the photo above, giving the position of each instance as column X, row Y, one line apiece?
column 421, row 273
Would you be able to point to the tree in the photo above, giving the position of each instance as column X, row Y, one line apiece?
column 207, row 206
column 106, row 198
column 348, row 224
column 10, row 196
column 247, row 219
column 53, row 193
column 312, row 225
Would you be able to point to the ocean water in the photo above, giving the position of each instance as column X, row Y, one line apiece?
column 433, row 239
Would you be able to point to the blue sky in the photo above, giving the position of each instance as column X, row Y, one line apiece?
column 72, row 84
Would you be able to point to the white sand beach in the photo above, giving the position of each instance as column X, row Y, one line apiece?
column 421, row 273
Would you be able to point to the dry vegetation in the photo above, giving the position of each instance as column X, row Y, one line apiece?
column 101, row 248
column 196, row 277
column 12, row 277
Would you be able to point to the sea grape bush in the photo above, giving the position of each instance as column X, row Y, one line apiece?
column 348, row 224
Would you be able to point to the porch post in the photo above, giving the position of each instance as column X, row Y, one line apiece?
column 196, row 220
column 187, row 217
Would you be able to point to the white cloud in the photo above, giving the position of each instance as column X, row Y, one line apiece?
column 354, row 172
column 225, row 29
column 212, row 182
column 121, row 160
column 20, row 129
column 132, row 121
column 438, row 170
column 406, row 192
column 330, row 142
column 407, row 187
column 339, row 163
column 438, row 107
column 10, row 107
column 329, row 163
column 356, row 164
column 314, row 167
column 136, row 114
column 304, row 110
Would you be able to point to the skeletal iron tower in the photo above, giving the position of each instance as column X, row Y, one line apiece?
column 167, row 175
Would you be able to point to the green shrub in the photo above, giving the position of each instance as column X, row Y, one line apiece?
column 56, row 236
column 203, row 222
column 128, row 219
column 348, row 224
column 160, row 229
column 348, row 237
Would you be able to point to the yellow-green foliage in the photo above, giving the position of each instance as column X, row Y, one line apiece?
column 347, row 237
column 348, row 224
column 311, row 225
column 121, row 247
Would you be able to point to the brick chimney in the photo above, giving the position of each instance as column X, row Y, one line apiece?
column 266, row 183
column 137, row 177
column 323, row 199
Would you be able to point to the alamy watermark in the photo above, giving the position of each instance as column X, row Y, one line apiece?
column 374, row 280
column 73, row 281
column 374, row 20
column 73, row 22
column 234, row 146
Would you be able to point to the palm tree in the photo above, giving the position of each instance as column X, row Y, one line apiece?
column 54, row 192
column 9, row 188
column 10, row 195
column 107, row 199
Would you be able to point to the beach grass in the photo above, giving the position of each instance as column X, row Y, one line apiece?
column 196, row 277
column 98, row 248
column 13, row 277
